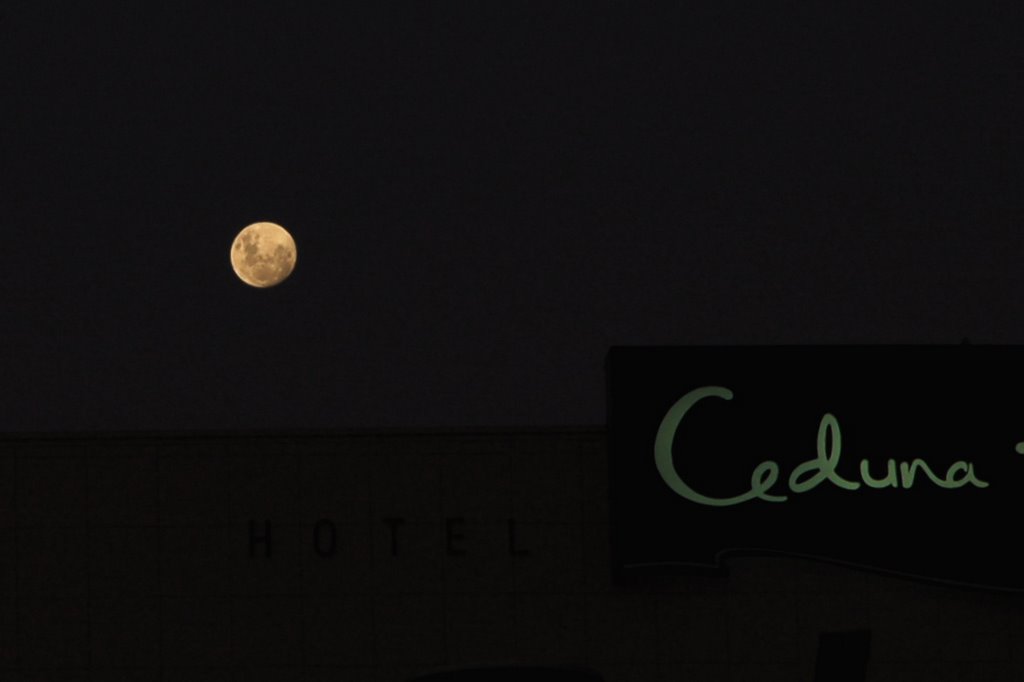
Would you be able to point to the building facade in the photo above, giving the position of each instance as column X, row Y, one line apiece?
column 380, row 556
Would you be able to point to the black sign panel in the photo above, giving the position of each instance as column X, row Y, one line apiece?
column 902, row 459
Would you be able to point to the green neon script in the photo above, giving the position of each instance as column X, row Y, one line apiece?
column 806, row 475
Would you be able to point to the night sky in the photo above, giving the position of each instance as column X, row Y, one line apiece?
column 485, row 198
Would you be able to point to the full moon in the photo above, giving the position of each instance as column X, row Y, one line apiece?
column 263, row 254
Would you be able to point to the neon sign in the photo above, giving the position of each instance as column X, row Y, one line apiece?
column 796, row 450
column 805, row 476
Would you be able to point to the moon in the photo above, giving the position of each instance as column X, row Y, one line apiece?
column 263, row 255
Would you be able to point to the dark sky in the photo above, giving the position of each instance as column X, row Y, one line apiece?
column 485, row 198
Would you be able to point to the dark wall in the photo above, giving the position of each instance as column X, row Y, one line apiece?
column 381, row 556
